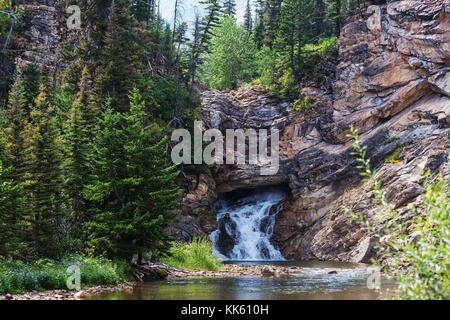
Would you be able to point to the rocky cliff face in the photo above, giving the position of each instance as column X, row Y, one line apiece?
column 392, row 84
column 46, row 30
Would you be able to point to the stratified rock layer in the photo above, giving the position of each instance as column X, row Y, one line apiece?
column 392, row 84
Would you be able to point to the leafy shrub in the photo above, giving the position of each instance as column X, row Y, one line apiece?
column 314, row 54
column 303, row 105
column 196, row 255
column 415, row 244
column 48, row 274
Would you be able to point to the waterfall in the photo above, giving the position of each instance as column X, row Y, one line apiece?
column 245, row 225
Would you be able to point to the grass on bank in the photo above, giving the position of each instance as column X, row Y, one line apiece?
column 46, row 274
column 196, row 255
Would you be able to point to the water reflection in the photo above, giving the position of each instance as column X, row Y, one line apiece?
column 317, row 280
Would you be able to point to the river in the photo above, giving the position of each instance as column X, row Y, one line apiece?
column 317, row 280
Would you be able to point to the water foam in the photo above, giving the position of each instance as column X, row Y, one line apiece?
column 251, row 225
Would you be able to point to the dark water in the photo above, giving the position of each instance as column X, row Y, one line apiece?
column 314, row 282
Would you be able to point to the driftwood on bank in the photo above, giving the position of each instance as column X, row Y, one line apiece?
column 148, row 271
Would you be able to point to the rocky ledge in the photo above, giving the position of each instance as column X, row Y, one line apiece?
column 392, row 84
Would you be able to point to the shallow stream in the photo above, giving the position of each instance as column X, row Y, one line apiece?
column 317, row 280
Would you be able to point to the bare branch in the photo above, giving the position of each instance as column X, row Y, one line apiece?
column 8, row 37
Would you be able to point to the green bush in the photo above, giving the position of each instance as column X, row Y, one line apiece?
column 196, row 255
column 46, row 274
column 395, row 156
column 415, row 244
column 232, row 57
column 314, row 54
column 303, row 105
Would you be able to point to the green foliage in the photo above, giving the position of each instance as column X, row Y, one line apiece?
column 12, row 244
column 162, row 96
column 415, row 243
column 286, row 46
column 47, row 274
column 395, row 156
column 266, row 66
column 276, row 74
column 295, row 31
column 196, row 255
column 78, row 133
column 133, row 192
column 303, row 105
column 31, row 81
column 271, row 19
column 232, row 57
column 15, row 120
column 43, row 170
column 116, row 72
column 314, row 54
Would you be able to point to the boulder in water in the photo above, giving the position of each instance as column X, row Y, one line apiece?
column 226, row 240
column 267, row 272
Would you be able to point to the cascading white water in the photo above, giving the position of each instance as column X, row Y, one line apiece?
column 246, row 226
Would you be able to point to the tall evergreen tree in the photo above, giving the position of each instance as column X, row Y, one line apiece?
column 226, row 67
column 116, row 72
column 271, row 18
column 248, row 20
column 134, row 187
column 334, row 14
column 13, row 228
column 203, row 32
column 258, row 31
column 229, row 7
column 16, row 120
column 79, row 133
column 44, row 171
column 144, row 10
column 295, row 31
column 320, row 16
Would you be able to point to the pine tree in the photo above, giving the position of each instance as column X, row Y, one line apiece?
column 225, row 67
column 116, row 72
column 134, row 187
column 229, row 7
column 90, row 110
column 248, row 21
column 144, row 10
column 203, row 33
column 16, row 120
column 320, row 16
column 334, row 14
column 12, row 225
column 295, row 31
column 271, row 18
column 258, row 31
column 209, row 21
column 80, row 131
column 43, row 165
column 180, row 39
